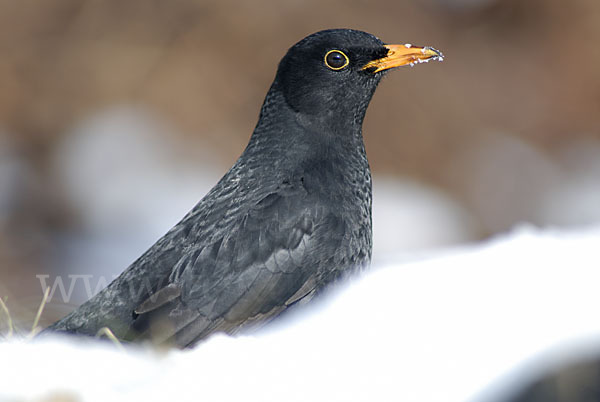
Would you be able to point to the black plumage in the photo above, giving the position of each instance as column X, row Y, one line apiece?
column 292, row 215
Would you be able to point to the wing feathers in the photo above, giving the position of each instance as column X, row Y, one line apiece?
column 267, row 262
column 158, row 299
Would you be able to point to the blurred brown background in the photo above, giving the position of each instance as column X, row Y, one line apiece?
column 117, row 114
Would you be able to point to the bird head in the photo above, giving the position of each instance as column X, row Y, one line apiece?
column 333, row 73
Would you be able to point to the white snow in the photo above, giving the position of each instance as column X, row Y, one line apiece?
column 460, row 325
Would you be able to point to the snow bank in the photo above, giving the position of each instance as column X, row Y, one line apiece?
column 463, row 325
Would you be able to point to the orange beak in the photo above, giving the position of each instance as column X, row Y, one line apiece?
column 401, row 55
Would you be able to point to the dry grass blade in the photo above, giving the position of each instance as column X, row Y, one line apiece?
column 9, row 318
column 34, row 328
column 109, row 334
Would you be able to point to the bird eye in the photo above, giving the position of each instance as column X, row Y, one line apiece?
column 336, row 60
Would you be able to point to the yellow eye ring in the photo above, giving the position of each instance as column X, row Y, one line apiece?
column 336, row 59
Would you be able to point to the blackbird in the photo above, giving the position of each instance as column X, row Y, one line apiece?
column 291, row 216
